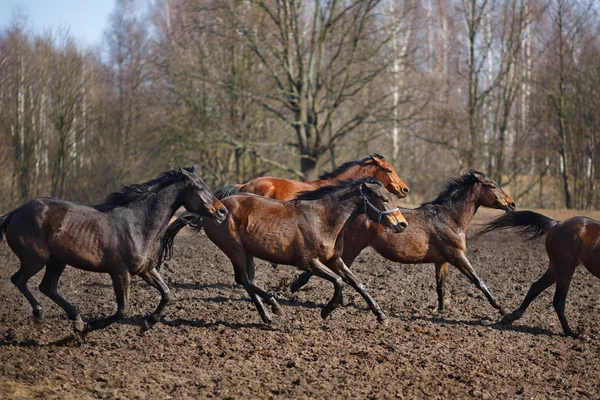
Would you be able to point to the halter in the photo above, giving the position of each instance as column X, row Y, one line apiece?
column 378, row 211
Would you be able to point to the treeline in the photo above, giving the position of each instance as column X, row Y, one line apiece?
column 245, row 88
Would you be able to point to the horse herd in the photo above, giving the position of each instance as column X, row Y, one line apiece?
column 319, row 227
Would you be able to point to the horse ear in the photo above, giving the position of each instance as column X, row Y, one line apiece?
column 194, row 169
column 185, row 172
column 377, row 160
column 478, row 175
column 371, row 186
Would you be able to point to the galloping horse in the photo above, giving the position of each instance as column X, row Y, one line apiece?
column 373, row 165
column 305, row 232
column 569, row 243
column 435, row 234
column 120, row 236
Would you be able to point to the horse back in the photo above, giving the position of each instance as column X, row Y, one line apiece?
column 276, row 188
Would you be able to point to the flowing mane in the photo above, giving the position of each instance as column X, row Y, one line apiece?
column 328, row 190
column 129, row 193
column 349, row 164
column 456, row 188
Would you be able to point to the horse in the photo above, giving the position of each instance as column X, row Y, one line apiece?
column 569, row 243
column 306, row 232
column 374, row 165
column 436, row 233
column 120, row 236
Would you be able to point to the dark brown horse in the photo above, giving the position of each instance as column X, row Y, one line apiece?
column 305, row 232
column 373, row 165
column 435, row 234
column 568, row 243
column 121, row 237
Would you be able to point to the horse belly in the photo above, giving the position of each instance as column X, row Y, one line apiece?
column 79, row 245
column 403, row 248
column 269, row 244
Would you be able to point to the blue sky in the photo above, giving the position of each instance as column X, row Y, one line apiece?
column 86, row 19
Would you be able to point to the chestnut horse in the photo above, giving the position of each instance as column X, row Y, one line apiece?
column 120, row 236
column 306, row 232
column 373, row 165
column 436, row 232
column 569, row 243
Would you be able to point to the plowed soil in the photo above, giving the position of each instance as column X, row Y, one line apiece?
column 211, row 343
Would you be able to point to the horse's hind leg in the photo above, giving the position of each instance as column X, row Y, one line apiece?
column 48, row 286
column 20, row 278
column 560, row 298
column 121, row 282
column 441, row 270
column 536, row 288
column 154, row 279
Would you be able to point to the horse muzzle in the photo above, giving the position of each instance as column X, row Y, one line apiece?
column 219, row 214
column 401, row 192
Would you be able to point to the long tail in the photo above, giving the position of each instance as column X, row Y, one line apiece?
column 4, row 224
column 530, row 224
column 227, row 190
column 194, row 221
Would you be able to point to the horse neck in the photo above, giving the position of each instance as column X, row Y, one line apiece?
column 342, row 209
column 463, row 211
column 356, row 171
column 152, row 214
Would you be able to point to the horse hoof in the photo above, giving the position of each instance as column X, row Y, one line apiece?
column 383, row 321
column 507, row 319
column 326, row 312
column 277, row 310
column 294, row 287
column 38, row 323
column 79, row 325
column 502, row 311
column 145, row 326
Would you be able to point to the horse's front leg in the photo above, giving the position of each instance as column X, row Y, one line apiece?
column 348, row 276
column 121, row 282
column 154, row 279
column 316, row 267
column 462, row 263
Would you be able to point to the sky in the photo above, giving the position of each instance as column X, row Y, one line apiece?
column 85, row 19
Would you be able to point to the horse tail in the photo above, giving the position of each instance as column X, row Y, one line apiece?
column 530, row 224
column 227, row 190
column 194, row 221
column 4, row 224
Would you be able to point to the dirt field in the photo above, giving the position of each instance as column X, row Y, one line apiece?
column 212, row 344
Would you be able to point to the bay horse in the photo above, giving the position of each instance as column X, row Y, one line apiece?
column 374, row 165
column 120, row 236
column 436, row 233
column 306, row 232
column 569, row 243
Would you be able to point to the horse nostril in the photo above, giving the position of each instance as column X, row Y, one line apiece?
column 405, row 190
column 513, row 205
column 222, row 212
column 403, row 224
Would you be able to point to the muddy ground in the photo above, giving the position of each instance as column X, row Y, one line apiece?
column 212, row 344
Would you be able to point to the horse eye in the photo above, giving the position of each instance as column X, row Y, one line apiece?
column 389, row 171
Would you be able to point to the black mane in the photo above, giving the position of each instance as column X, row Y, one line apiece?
column 349, row 164
column 456, row 187
column 328, row 190
column 129, row 193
